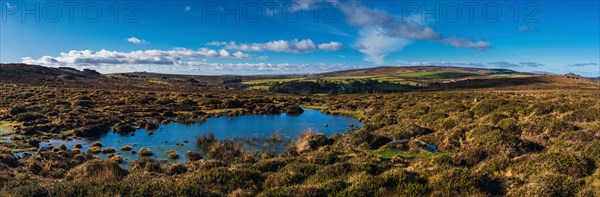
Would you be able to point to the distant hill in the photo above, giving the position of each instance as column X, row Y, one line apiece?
column 392, row 70
column 36, row 75
column 419, row 77
column 18, row 72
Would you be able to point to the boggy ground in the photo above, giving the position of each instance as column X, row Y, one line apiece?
column 495, row 142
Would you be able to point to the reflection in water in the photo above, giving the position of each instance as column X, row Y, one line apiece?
column 253, row 131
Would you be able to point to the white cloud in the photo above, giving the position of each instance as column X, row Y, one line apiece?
column 392, row 27
column 531, row 64
column 187, row 8
column 288, row 46
column 376, row 45
column 480, row 45
column 331, row 46
column 262, row 57
column 503, row 64
column 153, row 57
column 136, row 40
column 583, row 64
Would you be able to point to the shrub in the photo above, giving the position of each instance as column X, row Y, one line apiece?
column 222, row 180
column 83, row 103
column 270, row 165
column 108, row 150
column 146, row 165
column 185, row 118
column 175, row 168
column 149, row 185
column 117, row 159
column 294, row 191
column 8, row 160
column 509, row 125
column 97, row 144
column 91, row 130
column 29, row 188
column 94, row 150
column 17, row 110
column 173, row 155
column 294, row 110
column 204, row 142
column 97, row 170
column 499, row 142
column 310, row 140
column 402, row 182
column 403, row 130
column 291, row 174
column 193, row 156
column 123, row 128
column 555, row 162
column 77, row 146
column 125, row 148
column 331, row 171
column 362, row 184
column 455, row 182
column 483, row 108
column 585, row 115
column 145, row 152
column 27, row 117
column 431, row 117
column 549, row 185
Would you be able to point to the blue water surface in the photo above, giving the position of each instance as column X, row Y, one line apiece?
column 181, row 138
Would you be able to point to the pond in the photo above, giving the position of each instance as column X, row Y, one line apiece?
column 249, row 128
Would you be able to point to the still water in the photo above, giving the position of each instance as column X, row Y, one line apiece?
column 181, row 138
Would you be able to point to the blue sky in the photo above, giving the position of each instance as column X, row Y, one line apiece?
column 284, row 37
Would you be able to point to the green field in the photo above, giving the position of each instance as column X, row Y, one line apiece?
column 412, row 78
column 439, row 74
column 265, row 83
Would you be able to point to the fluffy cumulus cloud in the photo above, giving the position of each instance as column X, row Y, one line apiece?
column 288, row 46
column 179, row 60
column 377, row 45
column 136, row 40
column 331, row 46
column 154, row 57
column 390, row 29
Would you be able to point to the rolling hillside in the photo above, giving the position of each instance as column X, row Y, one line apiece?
column 411, row 70
column 379, row 79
